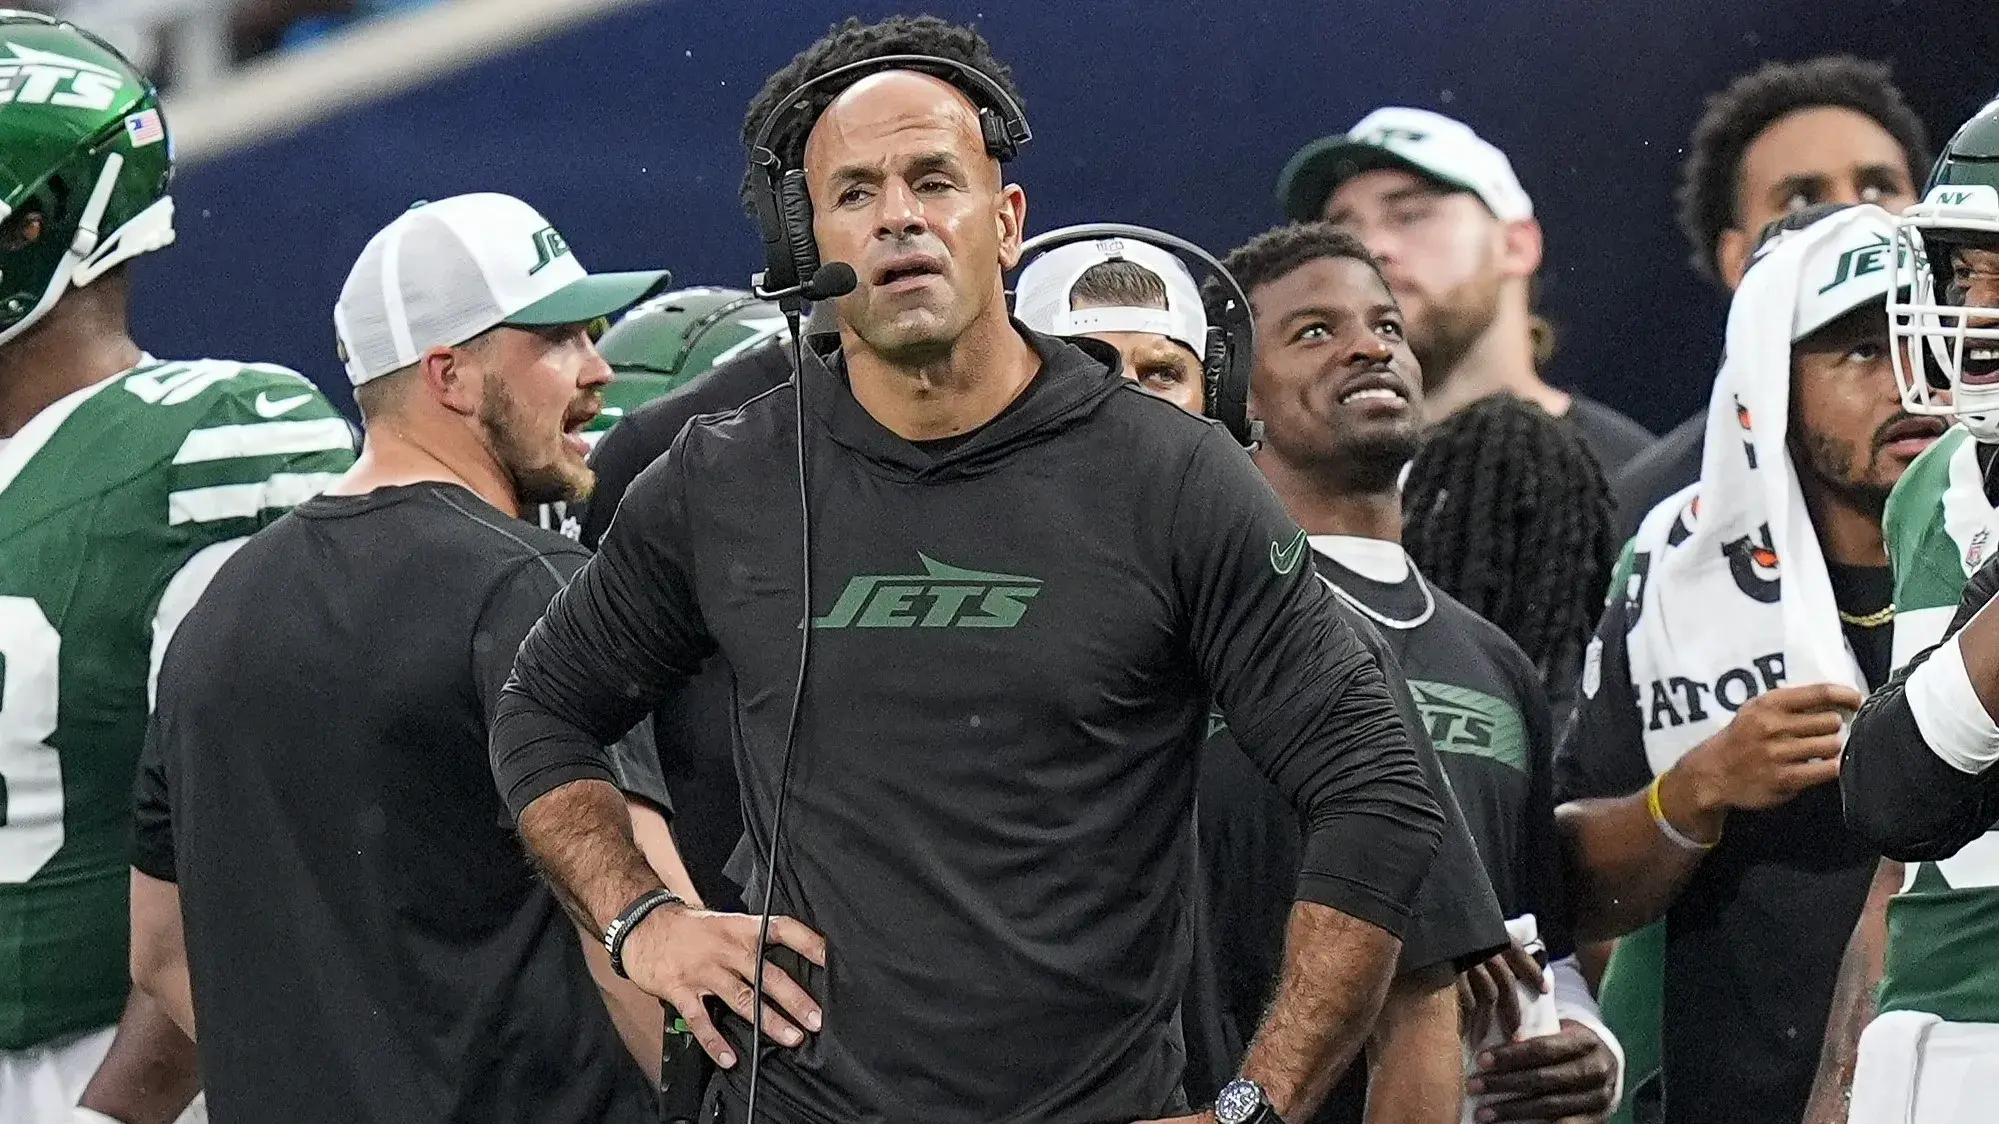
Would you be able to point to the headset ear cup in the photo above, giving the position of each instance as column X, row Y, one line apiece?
column 1215, row 371
column 993, row 130
column 796, row 203
column 778, row 263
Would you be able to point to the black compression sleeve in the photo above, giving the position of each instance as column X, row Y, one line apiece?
column 1307, row 703
column 1898, row 793
column 1540, row 872
column 1602, row 752
column 613, row 642
column 153, row 828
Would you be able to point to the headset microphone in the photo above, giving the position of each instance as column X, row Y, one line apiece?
column 833, row 279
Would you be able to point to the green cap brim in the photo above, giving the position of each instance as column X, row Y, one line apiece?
column 1318, row 169
column 588, row 298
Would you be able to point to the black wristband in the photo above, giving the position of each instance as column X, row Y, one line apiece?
column 622, row 925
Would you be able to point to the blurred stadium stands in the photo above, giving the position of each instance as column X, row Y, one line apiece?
column 187, row 44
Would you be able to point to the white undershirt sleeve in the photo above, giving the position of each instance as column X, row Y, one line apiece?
column 1574, row 1002
column 1949, row 715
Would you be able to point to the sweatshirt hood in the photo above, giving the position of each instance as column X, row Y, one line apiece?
column 1076, row 377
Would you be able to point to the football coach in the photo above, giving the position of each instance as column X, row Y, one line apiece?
column 977, row 665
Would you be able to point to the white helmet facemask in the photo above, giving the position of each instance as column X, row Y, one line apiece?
column 1945, row 351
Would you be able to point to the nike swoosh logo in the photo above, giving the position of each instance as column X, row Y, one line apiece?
column 267, row 407
column 1284, row 559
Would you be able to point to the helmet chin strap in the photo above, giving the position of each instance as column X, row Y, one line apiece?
column 80, row 247
column 1984, row 428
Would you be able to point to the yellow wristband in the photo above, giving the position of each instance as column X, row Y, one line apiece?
column 1666, row 827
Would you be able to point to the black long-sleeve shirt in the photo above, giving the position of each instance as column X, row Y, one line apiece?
column 1013, row 638
column 1899, row 794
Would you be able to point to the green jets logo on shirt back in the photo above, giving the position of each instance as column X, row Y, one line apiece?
column 942, row 596
column 1284, row 559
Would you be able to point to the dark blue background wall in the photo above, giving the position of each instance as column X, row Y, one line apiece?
column 1177, row 115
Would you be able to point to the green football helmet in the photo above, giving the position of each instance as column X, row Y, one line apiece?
column 85, row 162
column 678, row 335
column 1941, row 340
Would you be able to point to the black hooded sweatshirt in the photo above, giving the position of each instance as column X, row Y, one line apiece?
column 1014, row 637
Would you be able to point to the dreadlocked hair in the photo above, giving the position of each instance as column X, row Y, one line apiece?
column 852, row 42
column 1506, row 510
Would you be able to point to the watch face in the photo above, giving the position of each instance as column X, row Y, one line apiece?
column 1238, row 1102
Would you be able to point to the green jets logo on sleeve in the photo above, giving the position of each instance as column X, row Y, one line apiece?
column 940, row 597
column 1284, row 559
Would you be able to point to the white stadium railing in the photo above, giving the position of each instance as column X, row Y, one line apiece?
column 215, row 106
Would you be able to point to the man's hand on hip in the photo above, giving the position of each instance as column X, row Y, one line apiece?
column 1567, row 1077
column 684, row 955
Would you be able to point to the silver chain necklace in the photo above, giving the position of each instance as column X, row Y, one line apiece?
column 1361, row 607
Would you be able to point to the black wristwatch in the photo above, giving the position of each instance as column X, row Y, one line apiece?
column 1242, row 1102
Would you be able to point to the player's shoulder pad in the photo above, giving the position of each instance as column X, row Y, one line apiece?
column 223, row 390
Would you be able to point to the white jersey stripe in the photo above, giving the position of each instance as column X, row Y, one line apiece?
column 263, row 439
column 245, row 501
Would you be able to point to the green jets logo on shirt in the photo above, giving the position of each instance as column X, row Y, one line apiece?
column 941, row 596
column 548, row 246
column 1284, row 559
column 1462, row 720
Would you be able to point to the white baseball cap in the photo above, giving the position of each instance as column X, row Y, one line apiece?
column 446, row 271
column 1430, row 144
column 1839, row 274
column 1042, row 297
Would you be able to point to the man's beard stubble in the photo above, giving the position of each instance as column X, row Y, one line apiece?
column 1451, row 326
column 1840, row 470
column 536, row 480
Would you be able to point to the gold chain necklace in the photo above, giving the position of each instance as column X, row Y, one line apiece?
column 1875, row 619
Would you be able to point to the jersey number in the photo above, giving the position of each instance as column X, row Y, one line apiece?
column 30, row 770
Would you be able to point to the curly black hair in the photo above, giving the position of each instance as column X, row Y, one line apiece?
column 851, row 42
column 1736, row 116
column 1276, row 252
column 1506, row 510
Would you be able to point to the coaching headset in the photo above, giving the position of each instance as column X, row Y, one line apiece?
column 793, row 274
column 1231, row 346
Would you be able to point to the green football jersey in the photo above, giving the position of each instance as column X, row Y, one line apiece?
column 1943, row 928
column 117, row 504
column 1939, row 528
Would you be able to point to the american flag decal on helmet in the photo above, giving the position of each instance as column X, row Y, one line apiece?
column 144, row 128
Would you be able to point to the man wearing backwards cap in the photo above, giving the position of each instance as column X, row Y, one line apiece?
column 1748, row 617
column 1456, row 237
column 1132, row 295
column 343, row 847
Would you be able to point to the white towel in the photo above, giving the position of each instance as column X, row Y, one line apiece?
column 1710, row 631
column 1888, row 1067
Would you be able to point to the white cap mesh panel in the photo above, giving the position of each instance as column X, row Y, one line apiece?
column 421, row 283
